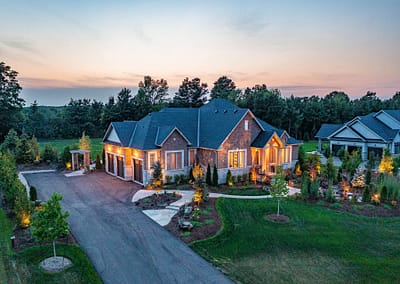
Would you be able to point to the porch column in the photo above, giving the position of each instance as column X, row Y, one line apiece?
column 330, row 147
column 73, row 161
column 319, row 145
column 364, row 152
column 346, row 147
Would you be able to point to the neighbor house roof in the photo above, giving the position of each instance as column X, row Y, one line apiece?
column 205, row 127
column 383, row 131
column 327, row 129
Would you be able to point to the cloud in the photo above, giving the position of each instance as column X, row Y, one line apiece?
column 19, row 45
column 251, row 23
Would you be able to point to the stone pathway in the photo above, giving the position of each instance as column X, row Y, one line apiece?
column 164, row 216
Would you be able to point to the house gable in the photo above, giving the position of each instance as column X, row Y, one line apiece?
column 347, row 133
column 113, row 136
column 388, row 120
column 365, row 131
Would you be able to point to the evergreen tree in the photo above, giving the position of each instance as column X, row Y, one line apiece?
column 23, row 152
column 225, row 88
column 11, row 142
column 215, row 175
column 191, row 93
column 157, row 175
column 305, row 185
column 208, row 175
column 366, row 197
column 229, row 179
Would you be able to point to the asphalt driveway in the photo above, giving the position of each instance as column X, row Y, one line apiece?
column 124, row 245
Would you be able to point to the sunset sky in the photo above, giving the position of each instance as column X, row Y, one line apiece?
column 64, row 49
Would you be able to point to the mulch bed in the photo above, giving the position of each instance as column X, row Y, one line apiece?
column 278, row 218
column 378, row 211
column 202, row 232
column 157, row 201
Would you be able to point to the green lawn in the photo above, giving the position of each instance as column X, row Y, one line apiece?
column 23, row 266
column 60, row 144
column 319, row 245
column 313, row 145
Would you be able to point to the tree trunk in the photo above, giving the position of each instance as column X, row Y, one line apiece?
column 54, row 248
column 279, row 201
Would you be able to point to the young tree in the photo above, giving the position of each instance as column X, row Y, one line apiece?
column 215, row 175
column 84, row 142
column 278, row 186
column 386, row 165
column 330, row 170
column 208, row 175
column 49, row 153
column 49, row 222
column 191, row 93
column 10, row 102
column 157, row 175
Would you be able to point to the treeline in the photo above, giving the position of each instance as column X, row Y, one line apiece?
column 300, row 116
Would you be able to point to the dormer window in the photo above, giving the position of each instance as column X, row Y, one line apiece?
column 246, row 125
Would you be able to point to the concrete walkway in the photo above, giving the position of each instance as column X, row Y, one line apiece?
column 164, row 216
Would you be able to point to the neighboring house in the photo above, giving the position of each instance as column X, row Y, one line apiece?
column 369, row 133
column 217, row 133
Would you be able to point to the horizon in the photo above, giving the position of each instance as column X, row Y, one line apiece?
column 302, row 48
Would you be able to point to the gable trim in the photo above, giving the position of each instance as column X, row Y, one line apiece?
column 359, row 121
column 237, row 124
column 172, row 131
column 344, row 128
column 272, row 136
column 108, row 132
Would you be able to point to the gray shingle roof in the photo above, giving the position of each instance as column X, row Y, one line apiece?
column 262, row 138
column 206, row 127
column 378, row 127
column 124, row 131
column 327, row 129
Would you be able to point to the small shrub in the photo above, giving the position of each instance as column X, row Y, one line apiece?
column 147, row 200
column 183, row 178
column 204, row 212
column 215, row 175
column 33, row 193
column 197, row 224
column 357, row 207
column 185, row 234
column 369, row 206
column 229, row 180
column 314, row 189
column 209, row 221
column 168, row 179
column 320, row 203
column 208, row 175
column 353, row 199
column 366, row 197
column 387, row 206
column 239, row 179
column 336, row 205
column 177, row 179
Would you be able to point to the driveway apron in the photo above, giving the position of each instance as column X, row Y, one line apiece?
column 124, row 245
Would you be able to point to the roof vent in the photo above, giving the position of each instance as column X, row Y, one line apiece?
column 225, row 111
column 216, row 111
column 235, row 111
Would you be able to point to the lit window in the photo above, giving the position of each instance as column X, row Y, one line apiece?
column 174, row 160
column 237, row 159
column 152, row 159
column 246, row 125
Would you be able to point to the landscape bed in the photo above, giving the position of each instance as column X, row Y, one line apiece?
column 318, row 245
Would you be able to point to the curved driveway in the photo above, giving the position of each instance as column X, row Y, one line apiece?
column 125, row 246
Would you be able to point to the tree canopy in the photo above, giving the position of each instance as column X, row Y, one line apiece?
column 191, row 93
column 10, row 102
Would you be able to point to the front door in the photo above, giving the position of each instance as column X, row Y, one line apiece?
column 138, row 170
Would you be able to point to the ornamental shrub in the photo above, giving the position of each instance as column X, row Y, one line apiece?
column 208, row 175
column 215, row 175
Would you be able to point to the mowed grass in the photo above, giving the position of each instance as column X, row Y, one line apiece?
column 311, row 145
column 6, row 270
column 23, row 266
column 318, row 245
column 60, row 144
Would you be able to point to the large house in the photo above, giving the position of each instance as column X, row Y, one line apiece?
column 217, row 133
column 369, row 133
